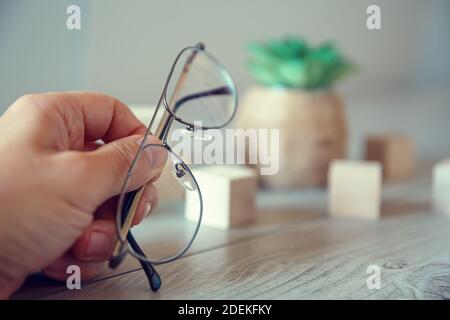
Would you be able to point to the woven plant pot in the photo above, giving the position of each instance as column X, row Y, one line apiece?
column 312, row 127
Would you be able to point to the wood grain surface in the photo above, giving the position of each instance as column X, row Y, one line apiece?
column 295, row 251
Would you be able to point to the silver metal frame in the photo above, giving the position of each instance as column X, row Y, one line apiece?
column 161, row 132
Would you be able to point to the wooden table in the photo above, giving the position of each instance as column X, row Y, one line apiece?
column 295, row 252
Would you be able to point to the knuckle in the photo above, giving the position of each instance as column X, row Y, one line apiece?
column 25, row 101
column 26, row 98
column 42, row 103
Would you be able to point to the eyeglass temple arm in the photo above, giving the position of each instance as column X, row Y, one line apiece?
column 153, row 277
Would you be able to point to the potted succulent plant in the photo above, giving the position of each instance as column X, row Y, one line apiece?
column 295, row 94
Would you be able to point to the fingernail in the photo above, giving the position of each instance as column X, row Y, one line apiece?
column 99, row 245
column 155, row 156
column 147, row 208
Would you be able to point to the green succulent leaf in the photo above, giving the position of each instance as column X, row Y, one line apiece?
column 298, row 47
column 291, row 62
column 293, row 73
column 315, row 72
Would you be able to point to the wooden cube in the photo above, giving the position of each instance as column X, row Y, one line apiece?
column 229, row 196
column 441, row 187
column 354, row 189
column 396, row 153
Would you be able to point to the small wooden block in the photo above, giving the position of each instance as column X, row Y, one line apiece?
column 354, row 189
column 396, row 153
column 441, row 187
column 229, row 194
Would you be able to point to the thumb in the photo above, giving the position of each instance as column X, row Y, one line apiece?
column 108, row 166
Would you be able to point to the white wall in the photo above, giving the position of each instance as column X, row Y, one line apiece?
column 37, row 52
column 131, row 46
column 126, row 47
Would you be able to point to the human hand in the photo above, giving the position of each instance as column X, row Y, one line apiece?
column 58, row 186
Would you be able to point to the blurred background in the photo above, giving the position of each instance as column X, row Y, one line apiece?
column 125, row 48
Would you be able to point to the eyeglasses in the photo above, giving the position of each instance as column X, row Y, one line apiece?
column 198, row 95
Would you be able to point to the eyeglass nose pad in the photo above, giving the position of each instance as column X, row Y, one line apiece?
column 182, row 175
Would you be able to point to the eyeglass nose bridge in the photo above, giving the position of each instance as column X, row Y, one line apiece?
column 197, row 134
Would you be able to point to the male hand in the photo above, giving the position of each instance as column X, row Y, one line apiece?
column 59, row 186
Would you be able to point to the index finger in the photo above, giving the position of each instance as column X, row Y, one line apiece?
column 83, row 116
